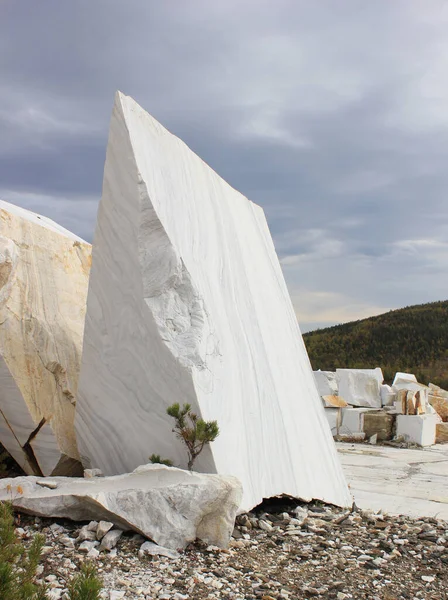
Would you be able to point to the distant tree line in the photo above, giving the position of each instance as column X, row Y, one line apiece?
column 413, row 339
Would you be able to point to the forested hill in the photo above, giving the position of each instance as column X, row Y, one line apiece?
column 413, row 339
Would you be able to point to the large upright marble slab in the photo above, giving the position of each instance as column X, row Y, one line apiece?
column 44, row 272
column 187, row 303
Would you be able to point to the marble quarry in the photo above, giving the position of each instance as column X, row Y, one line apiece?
column 44, row 272
column 187, row 303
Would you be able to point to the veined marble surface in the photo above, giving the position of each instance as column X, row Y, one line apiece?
column 44, row 273
column 187, row 303
column 360, row 387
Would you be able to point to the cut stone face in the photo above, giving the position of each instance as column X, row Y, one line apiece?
column 360, row 387
column 378, row 423
column 417, row 429
column 44, row 273
column 353, row 420
column 187, row 303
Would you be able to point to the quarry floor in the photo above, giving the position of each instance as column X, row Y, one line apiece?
column 411, row 482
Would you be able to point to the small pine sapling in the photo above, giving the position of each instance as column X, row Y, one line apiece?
column 193, row 431
column 86, row 585
column 156, row 459
column 18, row 566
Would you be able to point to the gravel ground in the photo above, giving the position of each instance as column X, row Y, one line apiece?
column 281, row 551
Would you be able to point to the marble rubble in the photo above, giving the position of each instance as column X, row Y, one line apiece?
column 44, row 272
column 363, row 407
column 170, row 506
column 187, row 303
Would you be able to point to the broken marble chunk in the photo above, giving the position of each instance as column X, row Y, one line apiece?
column 110, row 540
column 171, row 506
column 51, row 485
column 155, row 550
column 44, row 272
column 103, row 528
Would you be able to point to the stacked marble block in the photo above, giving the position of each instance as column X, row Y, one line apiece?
column 360, row 406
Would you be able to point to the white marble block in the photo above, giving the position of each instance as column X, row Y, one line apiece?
column 352, row 422
column 404, row 378
column 388, row 396
column 44, row 272
column 417, row 429
column 360, row 387
column 187, row 303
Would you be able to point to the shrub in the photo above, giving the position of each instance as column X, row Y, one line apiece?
column 17, row 565
column 86, row 585
column 156, row 459
column 193, row 431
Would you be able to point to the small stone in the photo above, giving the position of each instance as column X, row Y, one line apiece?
column 264, row 525
column 93, row 553
column 301, row 514
column 428, row 578
column 116, row 595
column 86, row 534
column 155, row 550
column 92, row 526
column 51, row 485
column 110, row 540
column 103, row 528
column 364, row 558
column 91, row 473
column 68, row 542
column 87, row 545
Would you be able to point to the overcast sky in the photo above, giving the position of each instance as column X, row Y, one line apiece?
column 331, row 114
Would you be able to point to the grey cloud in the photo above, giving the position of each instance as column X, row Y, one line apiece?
column 330, row 115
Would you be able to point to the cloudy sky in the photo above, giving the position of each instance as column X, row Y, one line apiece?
column 331, row 114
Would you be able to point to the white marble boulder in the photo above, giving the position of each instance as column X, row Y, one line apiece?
column 187, row 303
column 170, row 506
column 44, row 272
column 360, row 387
